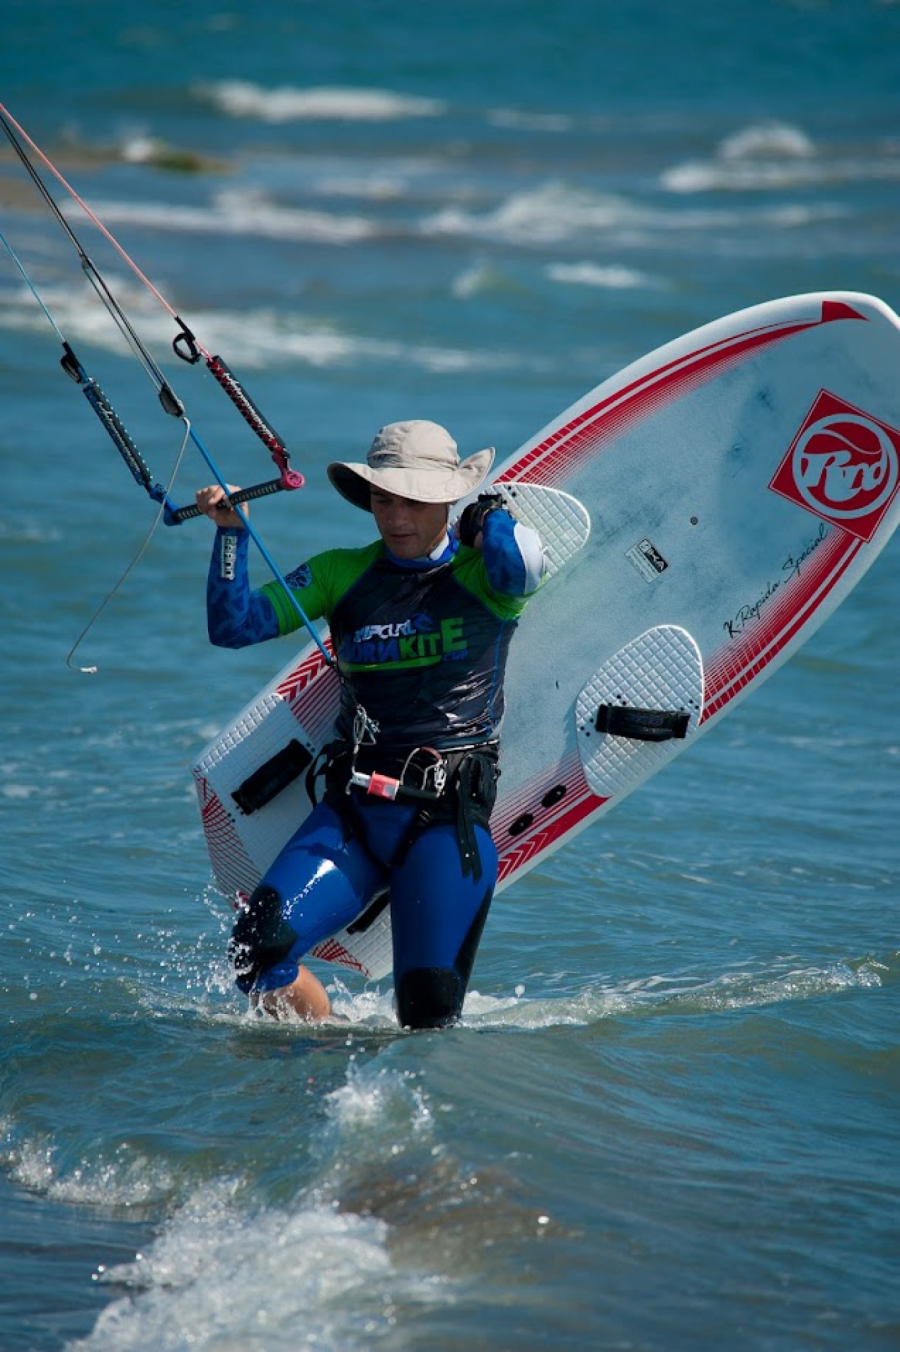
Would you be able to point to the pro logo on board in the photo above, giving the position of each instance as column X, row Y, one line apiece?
column 843, row 464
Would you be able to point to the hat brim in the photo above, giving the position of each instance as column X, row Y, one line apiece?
column 356, row 481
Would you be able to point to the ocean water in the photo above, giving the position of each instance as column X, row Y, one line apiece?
column 669, row 1120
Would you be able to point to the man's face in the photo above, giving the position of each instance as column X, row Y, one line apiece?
column 411, row 530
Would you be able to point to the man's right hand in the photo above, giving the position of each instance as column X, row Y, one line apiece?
column 213, row 502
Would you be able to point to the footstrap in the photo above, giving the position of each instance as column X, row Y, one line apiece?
column 642, row 725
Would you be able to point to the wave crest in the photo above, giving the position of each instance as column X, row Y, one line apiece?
column 242, row 98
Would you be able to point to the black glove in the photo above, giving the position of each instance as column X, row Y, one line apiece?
column 471, row 523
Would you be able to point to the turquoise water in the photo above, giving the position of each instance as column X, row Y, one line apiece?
column 669, row 1121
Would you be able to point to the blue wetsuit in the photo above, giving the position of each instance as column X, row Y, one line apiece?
column 422, row 647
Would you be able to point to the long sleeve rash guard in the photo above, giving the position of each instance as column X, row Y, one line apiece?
column 422, row 645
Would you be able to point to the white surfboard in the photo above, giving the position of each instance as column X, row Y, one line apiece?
column 703, row 512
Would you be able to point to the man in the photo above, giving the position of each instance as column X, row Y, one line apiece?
column 421, row 621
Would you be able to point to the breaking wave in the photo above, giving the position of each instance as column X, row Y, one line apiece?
column 242, row 98
column 777, row 155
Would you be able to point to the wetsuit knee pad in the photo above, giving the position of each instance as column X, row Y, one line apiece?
column 430, row 997
column 260, row 937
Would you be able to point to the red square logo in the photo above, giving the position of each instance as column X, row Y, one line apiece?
column 843, row 464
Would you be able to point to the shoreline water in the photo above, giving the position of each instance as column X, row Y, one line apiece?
column 669, row 1120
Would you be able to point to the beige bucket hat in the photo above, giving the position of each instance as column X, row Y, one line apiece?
column 417, row 460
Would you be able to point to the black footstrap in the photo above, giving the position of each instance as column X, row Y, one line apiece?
column 269, row 780
column 642, row 725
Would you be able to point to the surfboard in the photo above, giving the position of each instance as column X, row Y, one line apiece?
column 702, row 512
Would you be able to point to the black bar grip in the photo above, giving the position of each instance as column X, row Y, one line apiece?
column 243, row 495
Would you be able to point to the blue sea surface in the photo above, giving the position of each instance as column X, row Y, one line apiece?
column 669, row 1120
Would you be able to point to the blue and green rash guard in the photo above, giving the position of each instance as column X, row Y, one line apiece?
column 422, row 645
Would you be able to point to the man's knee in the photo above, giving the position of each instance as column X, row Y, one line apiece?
column 432, row 997
column 260, row 937
column 429, row 997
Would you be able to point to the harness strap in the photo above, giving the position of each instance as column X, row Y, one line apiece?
column 467, row 783
column 465, row 798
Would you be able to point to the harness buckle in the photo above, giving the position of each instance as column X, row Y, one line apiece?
column 379, row 786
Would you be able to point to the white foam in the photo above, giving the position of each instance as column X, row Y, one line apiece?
column 21, row 790
column 244, row 214
column 379, row 1099
column 377, row 186
column 774, row 155
column 242, row 98
column 16, row 531
column 709, row 176
column 125, row 1179
column 218, row 1277
column 546, row 214
column 255, row 339
column 371, row 1008
column 555, row 213
column 526, row 1014
column 375, row 1097
column 140, row 148
column 474, row 280
column 612, row 277
column 224, row 1272
column 737, row 989
column 767, row 140
column 261, row 339
column 80, row 313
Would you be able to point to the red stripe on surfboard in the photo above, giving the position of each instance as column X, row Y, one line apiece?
column 301, row 677
column 528, row 799
column 526, row 848
column 310, row 693
column 317, row 713
column 234, row 870
column 730, row 671
column 330, row 950
column 725, row 678
column 566, row 448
